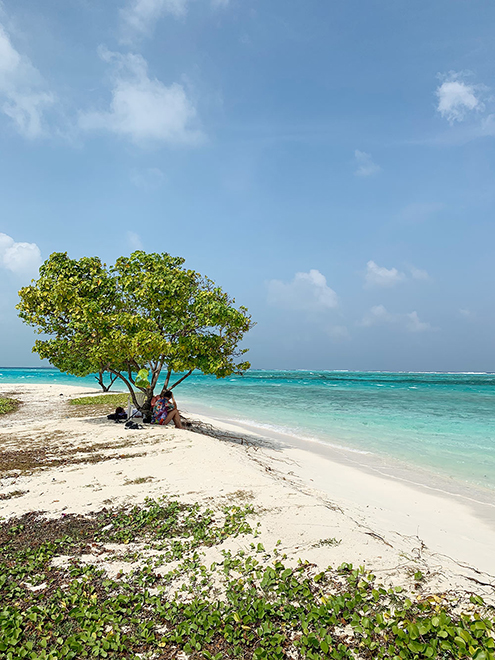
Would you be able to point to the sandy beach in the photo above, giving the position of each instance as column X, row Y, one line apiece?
column 315, row 508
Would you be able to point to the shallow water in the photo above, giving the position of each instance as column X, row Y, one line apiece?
column 444, row 423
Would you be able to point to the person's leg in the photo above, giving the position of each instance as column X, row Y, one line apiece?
column 175, row 416
column 177, row 420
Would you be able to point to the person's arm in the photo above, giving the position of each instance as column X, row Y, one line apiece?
column 173, row 400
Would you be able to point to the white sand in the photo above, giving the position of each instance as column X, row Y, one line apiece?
column 303, row 497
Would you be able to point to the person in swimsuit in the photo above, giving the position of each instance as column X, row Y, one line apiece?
column 165, row 410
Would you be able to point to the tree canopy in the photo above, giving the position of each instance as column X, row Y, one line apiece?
column 145, row 315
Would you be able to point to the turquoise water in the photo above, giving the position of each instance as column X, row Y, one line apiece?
column 444, row 423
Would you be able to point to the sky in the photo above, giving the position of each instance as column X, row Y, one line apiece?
column 330, row 164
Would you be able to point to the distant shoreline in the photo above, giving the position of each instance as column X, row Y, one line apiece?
column 330, row 371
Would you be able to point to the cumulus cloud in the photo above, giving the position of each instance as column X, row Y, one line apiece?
column 306, row 292
column 418, row 273
column 456, row 98
column 139, row 16
column 380, row 276
column 23, row 259
column 379, row 315
column 365, row 164
column 143, row 109
column 413, row 324
column 23, row 94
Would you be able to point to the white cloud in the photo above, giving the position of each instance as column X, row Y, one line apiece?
column 149, row 179
column 365, row 164
column 23, row 259
column 418, row 273
column 134, row 240
column 413, row 324
column 143, row 109
column 379, row 315
column 23, row 93
column 456, row 98
column 306, row 292
column 140, row 16
column 466, row 313
column 379, row 276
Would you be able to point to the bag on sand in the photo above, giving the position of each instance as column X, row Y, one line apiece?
column 119, row 415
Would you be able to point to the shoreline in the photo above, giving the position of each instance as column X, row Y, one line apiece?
column 388, row 526
column 325, row 467
column 386, row 466
column 376, row 449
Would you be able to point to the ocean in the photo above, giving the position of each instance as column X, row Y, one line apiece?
column 440, row 423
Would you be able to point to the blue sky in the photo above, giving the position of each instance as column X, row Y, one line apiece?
column 330, row 164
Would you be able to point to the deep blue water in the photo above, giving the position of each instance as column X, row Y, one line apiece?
column 444, row 423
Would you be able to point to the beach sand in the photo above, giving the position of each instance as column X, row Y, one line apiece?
column 320, row 510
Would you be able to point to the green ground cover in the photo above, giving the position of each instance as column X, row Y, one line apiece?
column 8, row 405
column 101, row 399
column 185, row 590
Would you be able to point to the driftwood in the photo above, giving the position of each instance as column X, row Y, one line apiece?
column 197, row 426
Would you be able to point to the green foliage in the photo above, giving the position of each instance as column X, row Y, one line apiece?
column 8, row 405
column 143, row 314
column 243, row 606
column 330, row 542
column 100, row 400
column 142, row 380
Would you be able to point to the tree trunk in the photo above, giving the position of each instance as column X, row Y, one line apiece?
column 99, row 378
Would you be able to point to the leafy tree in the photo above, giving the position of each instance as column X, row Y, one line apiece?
column 145, row 315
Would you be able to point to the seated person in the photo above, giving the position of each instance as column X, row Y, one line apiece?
column 165, row 410
column 119, row 415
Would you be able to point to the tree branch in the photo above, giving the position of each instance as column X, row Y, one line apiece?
column 129, row 386
column 156, row 369
column 129, row 372
column 167, row 380
column 181, row 379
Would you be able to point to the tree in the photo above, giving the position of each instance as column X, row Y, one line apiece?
column 145, row 315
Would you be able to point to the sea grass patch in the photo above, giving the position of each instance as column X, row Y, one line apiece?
column 13, row 494
column 96, row 405
column 62, row 597
column 8, row 405
column 100, row 400
column 26, row 461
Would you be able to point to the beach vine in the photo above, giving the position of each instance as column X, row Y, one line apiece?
column 162, row 578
